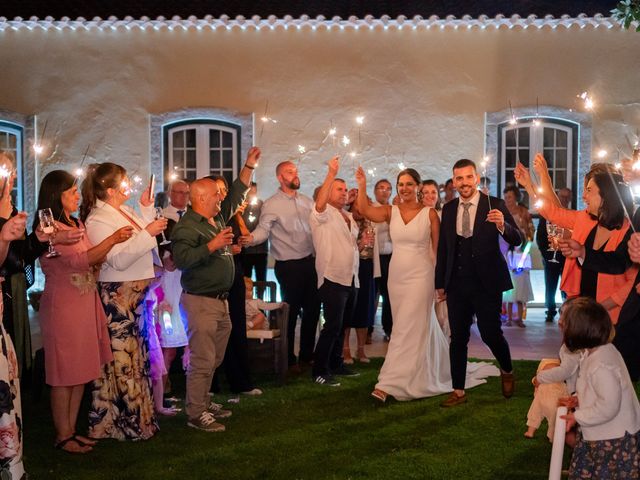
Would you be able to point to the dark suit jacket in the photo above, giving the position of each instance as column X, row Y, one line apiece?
column 487, row 258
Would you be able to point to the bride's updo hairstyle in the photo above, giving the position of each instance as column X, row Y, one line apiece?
column 100, row 177
column 413, row 174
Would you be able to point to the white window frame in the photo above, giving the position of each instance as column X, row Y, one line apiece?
column 161, row 123
column 17, row 130
column 203, row 150
column 536, row 144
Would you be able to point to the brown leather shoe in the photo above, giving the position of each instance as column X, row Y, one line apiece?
column 454, row 399
column 508, row 384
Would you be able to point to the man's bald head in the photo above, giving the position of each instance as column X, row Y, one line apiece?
column 205, row 197
column 287, row 175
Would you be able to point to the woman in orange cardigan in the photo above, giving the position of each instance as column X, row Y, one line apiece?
column 602, row 227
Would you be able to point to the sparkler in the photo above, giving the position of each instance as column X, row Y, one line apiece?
column 301, row 151
column 5, row 174
column 265, row 119
column 536, row 121
column 513, row 120
column 37, row 147
column 588, row 101
column 616, row 187
column 360, row 122
column 484, row 163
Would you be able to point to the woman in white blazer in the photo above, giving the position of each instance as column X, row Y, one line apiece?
column 122, row 402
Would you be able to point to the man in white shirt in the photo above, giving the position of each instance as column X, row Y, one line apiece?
column 173, row 334
column 178, row 200
column 284, row 220
column 335, row 236
column 382, row 192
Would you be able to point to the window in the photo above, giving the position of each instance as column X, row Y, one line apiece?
column 195, row 142
column 11, row 141
column 196, row 149
column 556, row 139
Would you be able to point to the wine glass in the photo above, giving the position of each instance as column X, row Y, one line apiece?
column 159, row 215
column 48, row 226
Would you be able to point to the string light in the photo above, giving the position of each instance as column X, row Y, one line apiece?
column 302, row 149
column 401, row 166
column 602, row 153
column 345, row 141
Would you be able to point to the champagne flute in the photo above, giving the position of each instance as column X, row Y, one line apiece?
column 558, row 233
column 551, row 232
column 48, row 226
column 159, row 215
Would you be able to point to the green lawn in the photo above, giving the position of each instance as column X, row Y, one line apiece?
column 304, row 431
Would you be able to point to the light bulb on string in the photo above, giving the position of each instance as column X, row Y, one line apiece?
column 38, row 148
column 602, row 153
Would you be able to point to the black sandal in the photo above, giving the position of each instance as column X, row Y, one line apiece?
column 61, row 444
column 83, row 443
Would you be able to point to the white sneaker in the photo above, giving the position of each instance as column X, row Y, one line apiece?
column 254, row 392
column 206, row 422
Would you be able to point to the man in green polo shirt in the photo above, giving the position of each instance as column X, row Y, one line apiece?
column 200, row 246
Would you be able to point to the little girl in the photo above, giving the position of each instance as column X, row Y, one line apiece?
column 256, row 320
column 607, row 411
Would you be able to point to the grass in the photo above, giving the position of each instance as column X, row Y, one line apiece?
column 304, row 431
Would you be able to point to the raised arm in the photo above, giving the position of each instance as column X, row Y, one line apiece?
column 546, row 191
column 249, row 166
column 375, row 214
column 325, row 189
column 435, row 231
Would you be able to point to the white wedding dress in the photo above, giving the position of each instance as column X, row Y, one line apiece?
column 417, row 361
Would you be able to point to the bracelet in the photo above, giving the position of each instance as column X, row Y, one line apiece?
column 250, row 167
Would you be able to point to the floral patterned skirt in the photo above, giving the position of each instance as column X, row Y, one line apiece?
column 11, row 465
column 122, row 402
column 606, row 459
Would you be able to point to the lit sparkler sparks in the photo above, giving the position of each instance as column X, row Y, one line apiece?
column 588, row 101
column 513, row 120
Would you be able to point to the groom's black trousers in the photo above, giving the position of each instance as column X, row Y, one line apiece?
column 465, row 297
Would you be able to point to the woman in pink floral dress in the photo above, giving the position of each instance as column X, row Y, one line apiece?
column 73, row 322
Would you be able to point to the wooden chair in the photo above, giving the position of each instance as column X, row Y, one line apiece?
column 269, row 346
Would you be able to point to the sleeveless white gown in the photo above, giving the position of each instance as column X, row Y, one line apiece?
column 417, row 361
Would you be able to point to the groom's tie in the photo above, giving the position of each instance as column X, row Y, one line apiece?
column 466, row 220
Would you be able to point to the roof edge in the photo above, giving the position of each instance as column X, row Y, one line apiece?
column 320, row 22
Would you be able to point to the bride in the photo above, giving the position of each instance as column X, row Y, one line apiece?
column 417, row 361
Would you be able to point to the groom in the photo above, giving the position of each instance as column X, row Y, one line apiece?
column 471, row 274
